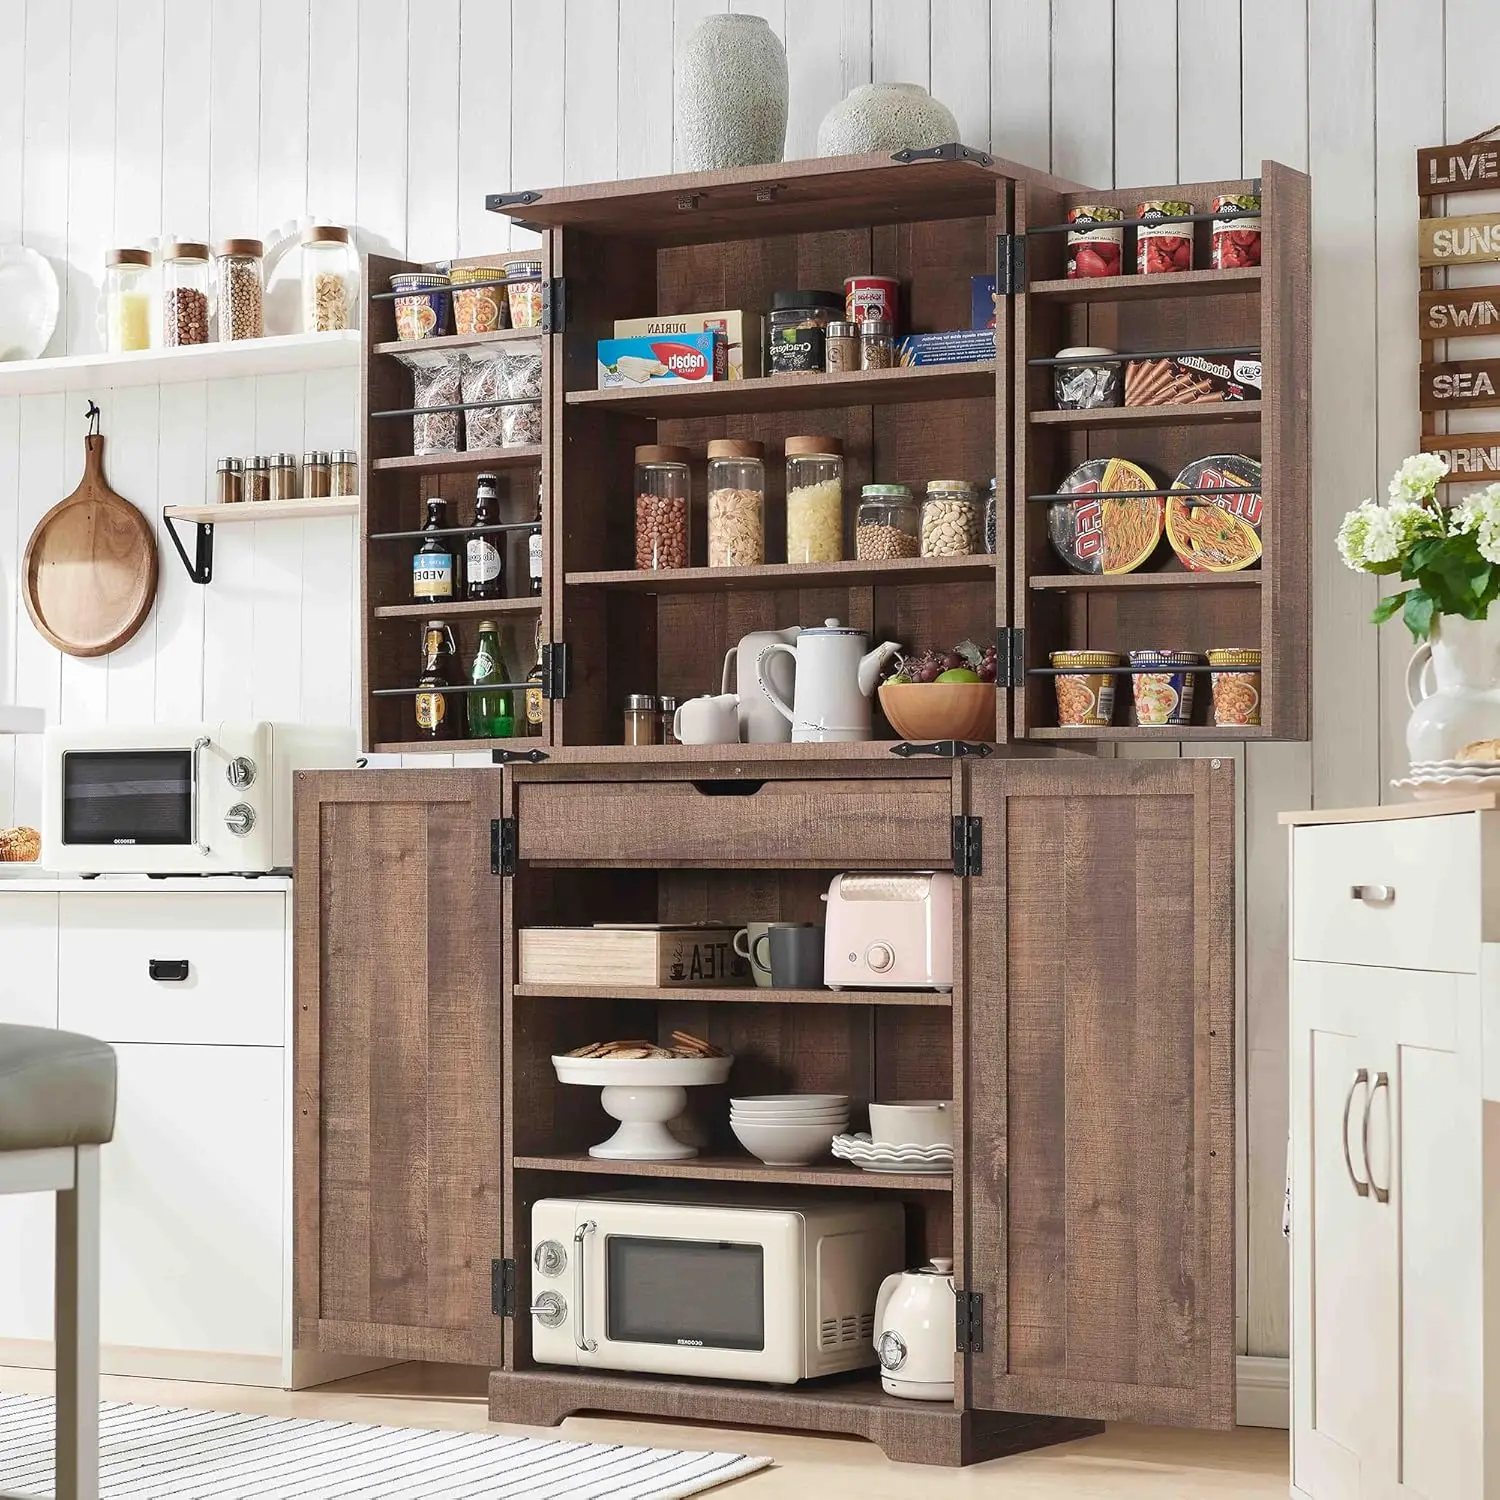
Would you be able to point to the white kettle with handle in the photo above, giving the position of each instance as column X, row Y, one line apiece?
column 836, row 679
column 914, row 1327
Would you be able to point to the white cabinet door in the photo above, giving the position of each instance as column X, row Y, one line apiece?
column 192, row 1212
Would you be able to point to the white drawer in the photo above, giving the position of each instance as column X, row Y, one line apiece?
column 1429, row 920
column 234, row 945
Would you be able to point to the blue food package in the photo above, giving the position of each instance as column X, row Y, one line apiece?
column 981, row 302
column 662, row 359
column 956, row 346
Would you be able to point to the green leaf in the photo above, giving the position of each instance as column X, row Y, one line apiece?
column 1390, row 605
column 1418, row 613
column 1479, row 580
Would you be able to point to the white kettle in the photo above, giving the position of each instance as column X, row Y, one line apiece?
column 836, row 679
column 914, row 1332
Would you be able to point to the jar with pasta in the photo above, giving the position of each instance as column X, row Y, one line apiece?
column 239, row 269
column 814, row 499
column 951, row 519
column 330, row 277
column 736, row 503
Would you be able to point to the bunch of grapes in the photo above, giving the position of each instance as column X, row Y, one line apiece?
column 925, row 666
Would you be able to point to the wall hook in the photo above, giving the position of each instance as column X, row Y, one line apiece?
column 93, row 419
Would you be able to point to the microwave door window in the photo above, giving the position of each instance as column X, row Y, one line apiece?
column 127, row 797
column 706, row 1294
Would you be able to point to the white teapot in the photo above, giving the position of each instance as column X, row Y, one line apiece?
column 836, row 678
column 914, row 1319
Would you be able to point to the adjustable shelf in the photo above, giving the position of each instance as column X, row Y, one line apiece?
column 205, row 518
column 739, row 1169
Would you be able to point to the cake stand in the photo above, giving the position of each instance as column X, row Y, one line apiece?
column 643, row 1094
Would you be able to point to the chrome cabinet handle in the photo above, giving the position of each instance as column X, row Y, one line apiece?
column 1382, row 1081
column 1373, row 895
column 580, row 1332
column 198, row 843
column 1361, row 1077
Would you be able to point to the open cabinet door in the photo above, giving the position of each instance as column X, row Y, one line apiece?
column 1099, row 1100
column 396, row 1153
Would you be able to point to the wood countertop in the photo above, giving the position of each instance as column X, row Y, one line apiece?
column 1463, row 802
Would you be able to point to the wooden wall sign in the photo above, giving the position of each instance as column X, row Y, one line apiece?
column 1464, row 168
column 1458, row 241
column 1460, row 382
column 1470, row 456
column 1463, row 312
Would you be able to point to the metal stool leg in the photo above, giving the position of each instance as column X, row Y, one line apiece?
column 77, row 1322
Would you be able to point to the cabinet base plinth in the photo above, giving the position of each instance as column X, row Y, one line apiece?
column 913, row 1432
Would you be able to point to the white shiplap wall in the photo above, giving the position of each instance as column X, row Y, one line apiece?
column 123, row 120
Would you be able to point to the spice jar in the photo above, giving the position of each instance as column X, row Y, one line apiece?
column 736, row 503
column 315, row 476
column 184, row 293
column 282, row 476
column 127, row 303
column 877, row 345
column 887, row 524
column 662, row 489
column 1236, row 688
column 642, row 720
column 525, row 297
column 343, row 472
column 239, row 270
column 257, row 478
column 950, row 519
column 814, row 499
column 229, row 481
column 991, row 516
column 668, row 719
column 479, row 309
column 330, row 277
column 841, row 347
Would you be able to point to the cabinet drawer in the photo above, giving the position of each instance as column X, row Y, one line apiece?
column 893, row 822
column 1431, row 920
column 234, row 946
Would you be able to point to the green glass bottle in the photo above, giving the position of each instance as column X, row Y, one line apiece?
column 490, row 714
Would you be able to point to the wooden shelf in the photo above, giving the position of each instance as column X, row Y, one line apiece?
column 716, row 758
column 1183, row 414
column 1168, row 732
column 1244, row 280
column 736, row 995
column 264, row 510
column 854, row 574
column 433, row 608
column 456, row 463
column 462, row 341
column 1245, row 578
column 813, row 391
column 454, row 747
column 740, row 1169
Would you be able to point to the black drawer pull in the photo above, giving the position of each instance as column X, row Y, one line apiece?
column 167, row 968
column 728, row 787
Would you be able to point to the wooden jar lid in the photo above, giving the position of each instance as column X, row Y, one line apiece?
column 736, row 448
column 813, row 446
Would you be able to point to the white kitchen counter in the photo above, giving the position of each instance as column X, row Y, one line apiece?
column 44, row 880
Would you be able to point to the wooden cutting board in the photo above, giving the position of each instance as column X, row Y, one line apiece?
column 89, row 573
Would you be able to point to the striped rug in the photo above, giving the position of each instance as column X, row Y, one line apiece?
column 170, row 1453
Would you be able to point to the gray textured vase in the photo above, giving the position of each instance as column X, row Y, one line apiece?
column 885, row 117
column 731, row 95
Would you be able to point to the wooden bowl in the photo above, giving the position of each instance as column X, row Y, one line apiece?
column 940, row 710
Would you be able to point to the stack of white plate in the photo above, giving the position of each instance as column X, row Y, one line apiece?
column 1446, row 778
column 872, row 1157
column 788, row 1130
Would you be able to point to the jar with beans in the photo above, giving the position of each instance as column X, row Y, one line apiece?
column 736, row 503
column 951, row 519
column 887, row 525
column 662, row 489
column 330, row 275
column 239, row 269
column 814, row 499
column 184, row 293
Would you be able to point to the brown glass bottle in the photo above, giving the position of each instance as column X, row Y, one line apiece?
column 484, row 562
column 437, row 718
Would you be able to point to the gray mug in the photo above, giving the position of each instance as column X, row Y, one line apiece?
column 796, row 956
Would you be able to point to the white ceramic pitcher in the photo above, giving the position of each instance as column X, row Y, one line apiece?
column 836, row 680
column 760, row 724
column 1453, row 686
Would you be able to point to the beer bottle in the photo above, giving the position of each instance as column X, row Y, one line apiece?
column 490, row 716
column 432, row 564
column 483, row 563
column 534, row 546
column 534, row 687
column 435, row 717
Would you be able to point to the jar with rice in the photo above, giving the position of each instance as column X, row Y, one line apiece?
column 814, row 499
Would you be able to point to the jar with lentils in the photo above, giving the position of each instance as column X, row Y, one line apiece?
column 888, row 523
column 662, row 491
column 184, row 293
column 736, row 503
column 951, row 519
column 814, row 499
column 239, row 269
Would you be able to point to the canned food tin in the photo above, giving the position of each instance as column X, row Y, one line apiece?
column 1236, row 241
column 1163, row 247
column 1096, row 242
column 870, row 299
column 1236, row 693
column 1163, row 689
column 1085, row 697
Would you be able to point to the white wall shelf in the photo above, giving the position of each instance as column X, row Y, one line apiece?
column 281, row 354
column 21, row 720
column 264, row 510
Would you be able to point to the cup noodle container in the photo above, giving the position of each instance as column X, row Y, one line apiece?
column 1085, row 687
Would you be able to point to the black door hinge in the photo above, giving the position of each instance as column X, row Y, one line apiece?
column 503, row 1288
column 968, row 845
column 950, row 749
column 951, row 151
column 511, row 757
column 554, row 669
column 1010, row 264
column 554, row 305
column 1010, row 656
column 969, row 1310
column 503, row 842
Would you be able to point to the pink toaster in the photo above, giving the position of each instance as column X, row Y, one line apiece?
column 889, row 930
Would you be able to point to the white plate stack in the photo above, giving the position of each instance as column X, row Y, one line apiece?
column 866, row 1154
column 788, row 1130
column 1449, row 778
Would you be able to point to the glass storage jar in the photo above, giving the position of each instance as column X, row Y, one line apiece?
column 184, row 293
column 229, row 487
column 662, row 489
column 642, row 720
column 736, row 503
column 330, row 279
column 888, row 523
column 343, row 472
column 950, row 519
column 814, row 499
column 877, row 345
column 668, row 718
column 282, row 472
column 239, row 271
column 257, row 478
column 841, row 347
column 127, row 301
column 796, row 328
column 315, row 476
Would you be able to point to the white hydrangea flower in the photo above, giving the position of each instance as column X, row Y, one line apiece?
column 1352, row 532
column 1418, row 477
column 1382, row 538
column 1475, row 511
column 1413, row 521
column 1489, row 542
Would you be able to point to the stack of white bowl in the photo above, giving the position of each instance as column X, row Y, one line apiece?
column 789, row 1130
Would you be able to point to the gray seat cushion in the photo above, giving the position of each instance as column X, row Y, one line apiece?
column 56, row 1089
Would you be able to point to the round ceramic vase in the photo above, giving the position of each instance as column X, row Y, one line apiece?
column 731, row 95
column 885, row 117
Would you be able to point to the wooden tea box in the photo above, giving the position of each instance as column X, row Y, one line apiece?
column 631, row 954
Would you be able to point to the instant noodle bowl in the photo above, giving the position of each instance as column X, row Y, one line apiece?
column 1163, row 246
column 422, row 312
column 1086, row 697
column 1096, row 240
column 1217, row 533
column 1163, row 689
column 1115, row 534
column 1236, row 241
column 1236, row 693
column 479, row 309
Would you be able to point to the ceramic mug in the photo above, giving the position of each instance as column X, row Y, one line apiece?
column 917, row 1122
column 745, row 944
column 796, row 951
column 710, row 720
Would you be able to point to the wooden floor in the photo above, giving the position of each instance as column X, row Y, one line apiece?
column 1142, row 1463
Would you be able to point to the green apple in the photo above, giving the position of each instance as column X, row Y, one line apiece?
column 958, row 674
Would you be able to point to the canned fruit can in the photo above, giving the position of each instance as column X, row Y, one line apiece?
column 870, row 299
column 1237, row 692
column 1161, row 245
column 1096, row 240
column 1085, row 697
column 423, row 314
column 1236, row 241
column 1163, row 687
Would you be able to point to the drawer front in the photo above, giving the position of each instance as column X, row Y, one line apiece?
column 891, row 823
column 233, row 946
column 1420, row 901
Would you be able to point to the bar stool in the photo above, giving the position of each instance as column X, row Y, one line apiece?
column 57, row 1107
